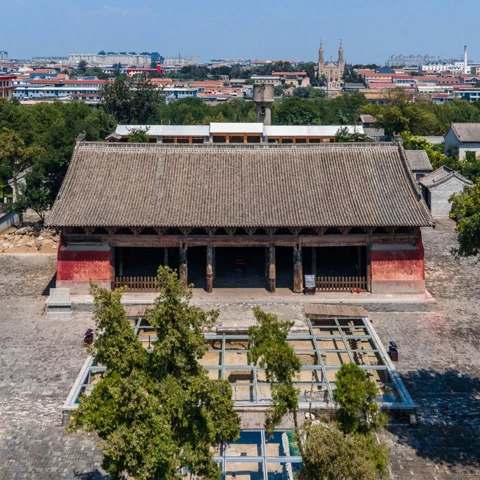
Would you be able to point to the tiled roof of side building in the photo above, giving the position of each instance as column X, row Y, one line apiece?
column 418, row 160
column 467, row 132
column 153, row 185
column 441, row 175
column 365, row 118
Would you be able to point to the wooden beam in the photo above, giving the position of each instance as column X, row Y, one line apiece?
column 352, row 240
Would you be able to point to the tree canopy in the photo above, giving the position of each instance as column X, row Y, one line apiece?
column 355, row 396
column 156, row 412
column 331, row 455
column 269, row 348
column 404, row 112
column 466, row 211
column 130, row 100
column 44, row 135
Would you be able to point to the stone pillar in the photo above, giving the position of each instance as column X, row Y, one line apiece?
column 272, row 275
column 165, row 256
column 183, row 272
column 209, row 272
column 297, row 270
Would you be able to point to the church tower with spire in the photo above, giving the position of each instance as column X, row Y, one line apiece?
column 321, row 56
column 331, row 72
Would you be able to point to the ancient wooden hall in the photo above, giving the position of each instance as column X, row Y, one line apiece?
column 241, row 216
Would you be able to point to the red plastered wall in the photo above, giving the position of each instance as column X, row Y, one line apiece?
column 83, row 266
column 398, row 265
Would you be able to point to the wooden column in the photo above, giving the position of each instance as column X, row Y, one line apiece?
column 297, row 270
column 165, row 256
column 112, row 267
column 369, row 269
column 314, row 261
column 183, row 271
column 359, row 261
column 209, row 272
column 272, row 275
column 214, row 262
column 120, row 262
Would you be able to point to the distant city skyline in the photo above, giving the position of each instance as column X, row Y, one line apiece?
column 371, row 30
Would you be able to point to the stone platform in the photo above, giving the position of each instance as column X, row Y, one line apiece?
column 283, row 296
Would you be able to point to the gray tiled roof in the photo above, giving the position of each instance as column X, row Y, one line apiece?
column 441, row 175
column 239, row 186
column 418, row 160
column 467, row 132
column 365, row 118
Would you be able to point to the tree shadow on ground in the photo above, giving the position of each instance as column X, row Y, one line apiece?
column 448, row 408
column 93, row 475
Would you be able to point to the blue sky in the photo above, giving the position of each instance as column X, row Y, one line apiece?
column 371, row 30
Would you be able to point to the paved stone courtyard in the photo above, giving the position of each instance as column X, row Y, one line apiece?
column 439, row 361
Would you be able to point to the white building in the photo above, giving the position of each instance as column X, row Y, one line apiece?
column 457, row 67
column 185, row 60
column 110, row 59
column 439, row 186
column 3, row 56
column 463, row 138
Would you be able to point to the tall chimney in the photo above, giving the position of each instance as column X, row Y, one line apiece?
column 465, row 62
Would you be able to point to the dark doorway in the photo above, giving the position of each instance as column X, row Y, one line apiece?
column 284, row 267
column 239, row 267
column 197, row 265
column 138, row 262
column 341, row 261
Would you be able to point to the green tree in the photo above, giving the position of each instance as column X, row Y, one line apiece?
column 130, row 100
column 156, row 412
column 269, row 349
column 295, row 111
column 15, row 156
column 435, row 153
column 466, row 211
column 137, row 135
column 82, row 66
column 355, row 396
column 331, row 455
column 34, row 195
column 309, row 69
column 343, row 135
column 308, row 92
column 351, row 76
